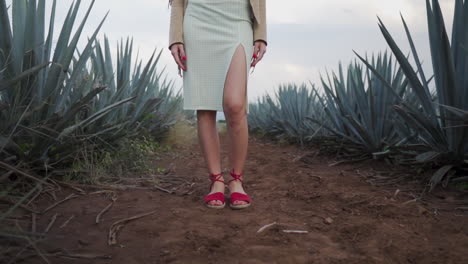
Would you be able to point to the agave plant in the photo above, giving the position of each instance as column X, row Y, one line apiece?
column 155, row 107
column 259, row 118
column 441, row 124
column 358, row 107
column 54, row 104
column 39, row 101
column 67, row 104
column 32, row 95
column 286, row 118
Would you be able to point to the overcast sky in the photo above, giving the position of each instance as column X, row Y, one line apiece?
column 305, row 36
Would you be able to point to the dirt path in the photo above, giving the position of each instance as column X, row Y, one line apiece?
column 347, row 219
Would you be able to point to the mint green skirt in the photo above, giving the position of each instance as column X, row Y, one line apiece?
column 213, row 29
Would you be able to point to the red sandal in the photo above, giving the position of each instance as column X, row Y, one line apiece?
column 217, row 195
column 237, row 196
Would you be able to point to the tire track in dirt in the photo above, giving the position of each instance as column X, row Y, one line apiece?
column 347, row 219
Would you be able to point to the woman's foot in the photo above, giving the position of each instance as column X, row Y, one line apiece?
column 217, row 187
column 236, row 186
column 239, row 198
column 215, row 199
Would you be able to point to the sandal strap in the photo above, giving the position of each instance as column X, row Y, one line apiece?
column 216, row 177
column 236, row 196
column 235, row 176
column 215, row 196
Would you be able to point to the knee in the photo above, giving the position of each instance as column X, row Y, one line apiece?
column 235, row 113
column 234, row 109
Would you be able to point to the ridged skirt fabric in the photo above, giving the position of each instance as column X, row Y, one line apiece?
column 213, row 29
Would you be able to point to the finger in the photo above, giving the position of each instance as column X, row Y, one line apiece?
column 178, row 60
column 255, row 55
column 175, row 53
column 261, row 54
column 182, row 53
column 254, row 63
column 256, row 50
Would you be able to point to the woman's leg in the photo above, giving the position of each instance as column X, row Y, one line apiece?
column 234, row 105
column 209, row 143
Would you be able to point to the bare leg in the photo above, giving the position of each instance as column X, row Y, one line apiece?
column 234, row 105
column 209, row 143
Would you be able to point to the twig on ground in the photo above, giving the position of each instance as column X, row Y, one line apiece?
column 71, row 196
column 101, row 191
column 39, row 191
column 347, row 161
column 63, row 254
column 52, row 221
column 312, row 153
column 265, row 227
column 296, row 231
column 104, row 187
column 69, row 186
column 120, row 188
column 360, row 201
column 162, row 189
column 114, row 229
column 33, row 244
column 410, row 201
column 82, row 255
column 98, row 217
column 20, row 205
column 67, row 221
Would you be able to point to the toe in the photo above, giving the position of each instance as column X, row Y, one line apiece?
column 215, row 202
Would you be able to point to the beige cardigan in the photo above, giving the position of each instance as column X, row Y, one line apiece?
column 176, row 34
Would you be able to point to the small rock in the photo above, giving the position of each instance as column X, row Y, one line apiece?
column 328, row 220
column 422, row 210
column 83, row 242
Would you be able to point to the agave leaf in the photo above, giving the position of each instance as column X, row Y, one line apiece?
column 427, row 156
column 64, row 51
column 83, row 59
column 463, row 114
column 67, row 131
column 21, row 76
column 6, row 59
column 408, row 69
column 439, row 175
column 76, row 107
column 379, row 75
column 417, row 60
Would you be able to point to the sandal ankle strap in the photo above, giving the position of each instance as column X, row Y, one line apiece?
column 216, row 177
column 235, row 176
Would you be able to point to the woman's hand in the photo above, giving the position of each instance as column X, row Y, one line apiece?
column 178, row 52
column 259, row 51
